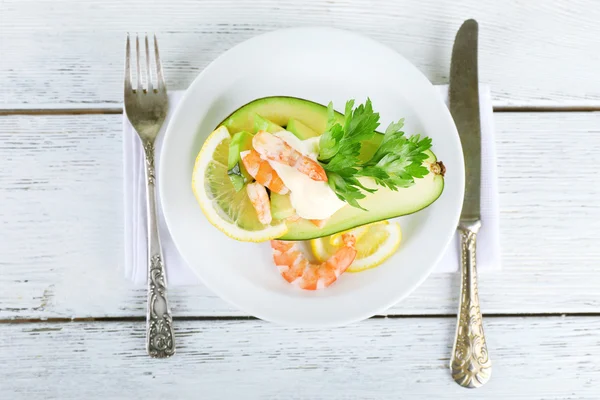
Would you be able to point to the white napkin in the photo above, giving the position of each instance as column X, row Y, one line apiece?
column 488, row 239
column 178, row 273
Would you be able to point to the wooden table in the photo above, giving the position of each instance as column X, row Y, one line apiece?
column 72, row 328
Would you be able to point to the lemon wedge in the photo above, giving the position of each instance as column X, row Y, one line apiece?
column 336, row 238
column 228, row 210
column 375, row 243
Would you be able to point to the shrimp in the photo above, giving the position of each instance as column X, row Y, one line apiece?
column 264, row 174
column 260, row 201
column 297, row 270
column 274, row 148
column 319, row 223
column 293, row 218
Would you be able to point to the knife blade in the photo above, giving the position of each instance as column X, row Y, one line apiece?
column 464, row 107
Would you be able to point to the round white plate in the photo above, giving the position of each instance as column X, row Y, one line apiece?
column 322, row 65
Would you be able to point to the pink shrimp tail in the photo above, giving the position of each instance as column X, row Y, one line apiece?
column 276, row 149
column 260, row 201
column 295, row 269
column 264, row 174
column 311, row 168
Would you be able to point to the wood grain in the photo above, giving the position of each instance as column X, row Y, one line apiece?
column 62, row 223
column 535, row 358
column 64, row 53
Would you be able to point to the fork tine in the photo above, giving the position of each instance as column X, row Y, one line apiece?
column 127, row 65
column 159, row 70
column 148, row 73
column 138, row 69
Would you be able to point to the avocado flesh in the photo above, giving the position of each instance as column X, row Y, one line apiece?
column 381, row 205
column 279, row 110
column 281, row 206
column 300, row 130
column 264, row 124
column 236, row 171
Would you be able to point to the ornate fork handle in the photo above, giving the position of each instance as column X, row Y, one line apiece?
column 470, row 363
column 159, row 323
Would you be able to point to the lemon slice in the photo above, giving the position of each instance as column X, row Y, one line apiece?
column 336, row 238
column 375, row 243
column 228, row 210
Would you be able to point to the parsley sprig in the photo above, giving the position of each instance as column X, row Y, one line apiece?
column 395, row 164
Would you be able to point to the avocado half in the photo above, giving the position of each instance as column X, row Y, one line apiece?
column 381, row 205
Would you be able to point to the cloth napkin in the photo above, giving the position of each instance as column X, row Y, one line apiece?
column 178, row 273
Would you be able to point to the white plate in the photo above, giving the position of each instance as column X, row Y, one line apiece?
column 318, row 64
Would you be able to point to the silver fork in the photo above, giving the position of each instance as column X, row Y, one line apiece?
column 146, row 109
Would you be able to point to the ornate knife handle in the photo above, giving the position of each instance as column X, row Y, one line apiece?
column 470, row 363
column 160, row 341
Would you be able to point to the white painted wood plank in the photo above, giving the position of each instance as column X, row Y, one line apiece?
column 534, row 358
column 63, row 52
column 61, row 222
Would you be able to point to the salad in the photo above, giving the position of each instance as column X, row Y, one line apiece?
column 289, row 170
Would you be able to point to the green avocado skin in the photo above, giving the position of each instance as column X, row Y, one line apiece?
column 279, row 110
column 307, row 116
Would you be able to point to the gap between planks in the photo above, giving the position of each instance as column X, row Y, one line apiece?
column 119, row 110
column 250, row 318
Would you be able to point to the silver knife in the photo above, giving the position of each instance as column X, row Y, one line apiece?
column 470, row 363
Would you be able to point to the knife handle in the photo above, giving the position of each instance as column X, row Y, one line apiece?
column 470, row 364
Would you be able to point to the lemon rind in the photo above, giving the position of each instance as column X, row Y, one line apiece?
column 385, row 251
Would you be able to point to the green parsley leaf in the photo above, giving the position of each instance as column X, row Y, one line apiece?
column 398, row 161
column 339, row 147
column 347, row 188
column 361, row 123
column 395, row 127
column 395, row 164
column 330, row 139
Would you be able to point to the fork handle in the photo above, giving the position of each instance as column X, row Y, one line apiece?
column 159, row 323
column 470, row 364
